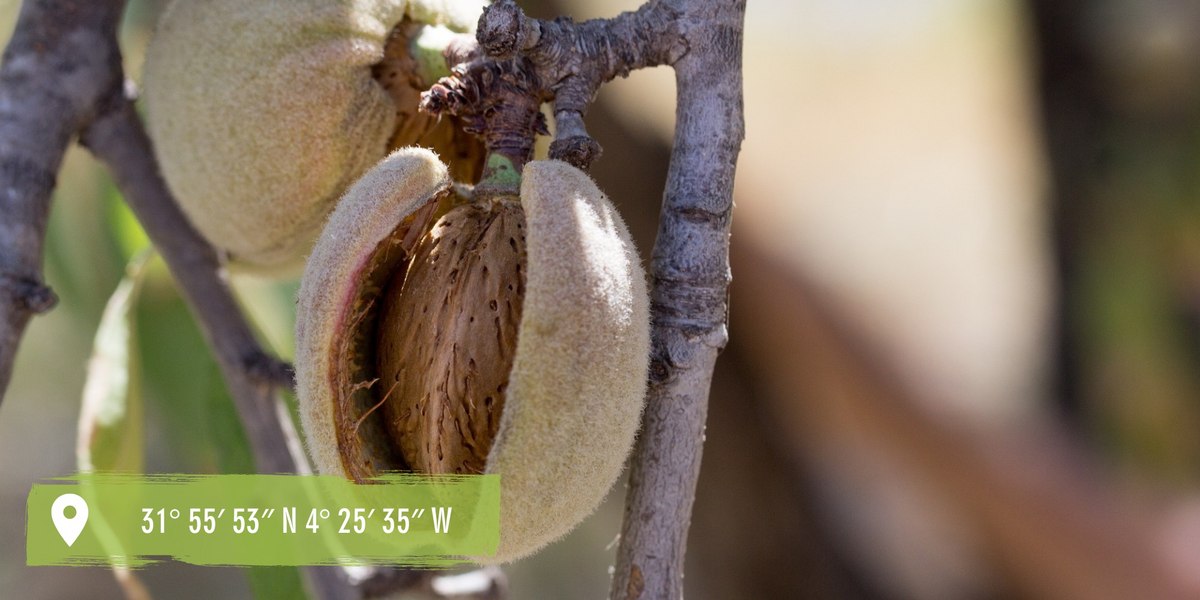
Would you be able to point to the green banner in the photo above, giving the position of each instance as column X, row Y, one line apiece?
column 134, row 520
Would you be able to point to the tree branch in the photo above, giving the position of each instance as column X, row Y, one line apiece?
column 689, row 302
column 61, row 63
column 576, row 58
column 530, row 61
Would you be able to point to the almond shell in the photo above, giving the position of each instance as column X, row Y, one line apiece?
column 575, row 394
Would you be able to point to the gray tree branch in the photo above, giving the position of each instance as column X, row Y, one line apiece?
column 689, row 301
column 61, row 63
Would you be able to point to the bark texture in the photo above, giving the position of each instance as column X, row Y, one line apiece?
column 61, row 65
column 690, row 275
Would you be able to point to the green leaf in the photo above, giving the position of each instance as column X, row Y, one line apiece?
column 271, row 583
column 124, row 227
column 179, row 375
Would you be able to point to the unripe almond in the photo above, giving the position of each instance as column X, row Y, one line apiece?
column 510, row 337
column 263, row 112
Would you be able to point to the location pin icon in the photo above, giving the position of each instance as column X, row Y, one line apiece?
column 69, row 527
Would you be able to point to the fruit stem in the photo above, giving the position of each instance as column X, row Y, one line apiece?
column 501, row 176
column 500, row 101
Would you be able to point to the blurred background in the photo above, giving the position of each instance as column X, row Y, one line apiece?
column 965, row 327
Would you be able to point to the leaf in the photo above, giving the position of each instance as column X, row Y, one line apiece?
column 185, row 385
column 194, row 397
column 111, row 418
column 179, row 375
column 270, row 583
column 124, row 227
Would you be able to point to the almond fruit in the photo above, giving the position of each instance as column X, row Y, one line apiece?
column 263, row 113
column 509, row 336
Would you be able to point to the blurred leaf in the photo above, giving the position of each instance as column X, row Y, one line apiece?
column 270, row 583
column 179, row 374
column 226, row 435
column 112, row 416
column 271, row 306
column 83, row 262
column 112, row 419
column 128, row 233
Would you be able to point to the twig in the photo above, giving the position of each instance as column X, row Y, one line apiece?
column 556, row 60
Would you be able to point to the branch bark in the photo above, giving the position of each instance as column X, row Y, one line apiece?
column 574, row 59
column 559, row 61
column 690, row 272
column 61, row 63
